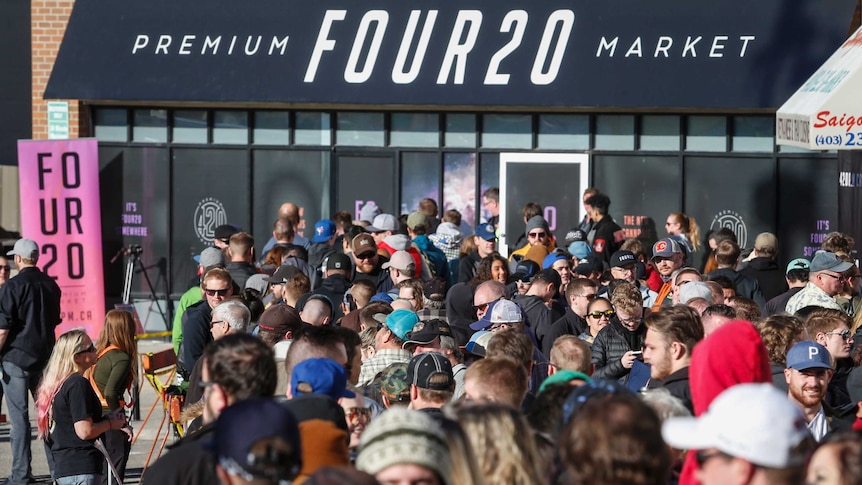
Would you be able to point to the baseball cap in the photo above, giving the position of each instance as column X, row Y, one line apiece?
column 323, row 231
column 210, row 257
column 425, row 332
column 551, row 276
column 369, row 211
column 225, row 231
column 563, row 376
column 486, row 231
column 244, row 426
column 525, row 269
column 338, row 261
column 808, row 355
column 258, row 282
column 798, row 263
column 575, row 234
column 500, row 311
column 580, row 249
column 363, row 243
column 665, row 248
column 283, row 273
column 588, row 265
column 322, row 375
column 553, row 258
column 766, row 242
column 423, row 367
column 26, row 248
column 279, row 318
column 400, row 260
column 393, row 382
column 416, row 219
column 401, row 322
column 383, row 222
column 694, row 289
column 622, row 258
column 824, row 260
column 755, row 422
column 478, row 343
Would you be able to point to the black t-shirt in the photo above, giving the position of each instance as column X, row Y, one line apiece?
column 75, row 402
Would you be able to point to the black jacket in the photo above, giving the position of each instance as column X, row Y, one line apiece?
column 240, row 272
column 467, row 267
column 611, row 343
column 779, row 303
column 745, row 285
column 187, row 462
column 539, row 321
column 606, row 238
column 196, row 335
column 569, row 324
column 677, row 384
column 334, row 288
column 29, row 310
column 768, row 274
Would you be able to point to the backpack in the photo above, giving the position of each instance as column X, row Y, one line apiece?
column 90, row 374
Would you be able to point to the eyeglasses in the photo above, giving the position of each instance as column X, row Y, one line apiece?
column 5, row 267
column 836, row 276
column 88, row 350
column 607, row 314
column 589, row 297
column 365, row 255
column 483, row 306
column 631, row 321
column 210, row 292
column 359, row 415
column 702, row 457
column 845, row 334
column 215, row 322
column 535, row 235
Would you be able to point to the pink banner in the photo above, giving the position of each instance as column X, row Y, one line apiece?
column 60, row 211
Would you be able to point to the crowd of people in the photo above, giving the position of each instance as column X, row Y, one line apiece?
column 399, row 350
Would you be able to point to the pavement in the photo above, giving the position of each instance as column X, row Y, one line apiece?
column 146, row 433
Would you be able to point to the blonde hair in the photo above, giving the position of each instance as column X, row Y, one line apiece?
column 119, row 330
column 689, row 228
column 60, row 366
column 503, row 443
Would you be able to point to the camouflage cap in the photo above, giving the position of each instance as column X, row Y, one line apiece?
column 393, row 382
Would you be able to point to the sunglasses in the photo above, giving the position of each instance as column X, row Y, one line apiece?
column 534, row 235
column 844, row 334
column 607, row 313
column 483, row 306
column 5, row 267
column 590, row 297
column 215, row 322
column 216, row 292
column 366, row 255
column 702, row 457
column 88, row 350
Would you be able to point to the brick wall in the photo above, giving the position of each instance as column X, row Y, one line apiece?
column 48, row 23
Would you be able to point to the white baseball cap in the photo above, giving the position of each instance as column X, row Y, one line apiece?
column 26, row 248
column 755, row 422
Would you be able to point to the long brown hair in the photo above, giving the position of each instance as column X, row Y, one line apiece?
column 119, row 330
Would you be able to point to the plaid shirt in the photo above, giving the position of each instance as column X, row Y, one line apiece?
column 382, row 359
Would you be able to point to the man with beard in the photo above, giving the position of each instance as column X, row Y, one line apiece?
column 809, row 369
column 671, row 336
column 667, row 258
column 369, row 264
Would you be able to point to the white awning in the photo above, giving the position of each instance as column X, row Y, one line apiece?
column 826, row 112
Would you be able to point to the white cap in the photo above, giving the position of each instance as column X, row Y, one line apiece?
column 755, row 422
column 26, row 248
column 694, row 289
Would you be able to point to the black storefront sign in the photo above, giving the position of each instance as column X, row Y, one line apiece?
column 850, row 194
column 721, row 54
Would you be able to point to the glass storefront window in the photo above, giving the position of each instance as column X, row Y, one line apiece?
column 420, row 178
column 459, row 187
column 111, row 125
column 312, row 129
column 507, row 131
column 564, row 132
column 271, row 128
column 615, row 132
column 753, row 133
column 230, row 127
column 659, row 133
column 190, row 126
column 489, row 176
column 460, row 131
column 415, row 130
column 150, row 125
column 360, row 129
column 706, row 134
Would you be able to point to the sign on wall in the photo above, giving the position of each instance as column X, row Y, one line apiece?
column 60, row 210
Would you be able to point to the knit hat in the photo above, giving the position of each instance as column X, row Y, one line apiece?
column 404, row 437
column 538, row 222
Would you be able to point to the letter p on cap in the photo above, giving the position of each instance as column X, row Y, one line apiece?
column 812, row 352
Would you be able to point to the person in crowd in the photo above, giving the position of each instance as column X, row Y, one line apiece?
column 779, row 334
column 764, row 266
column 485, row 241
column 240, row 254
column 667, row 257
column 29, row 313
column 492, row 267
column 599, row 314
column 496, row 379
column 491, row 204
column 322, row 244
column 606, row 235
column 620, row 343
column 715, row 316
column 368, row 263
column 559, row 262
column 836, row 460
column 522, row 276
column 434, row 260
column 727, row 256
column 670, row 339
column 405, row 446
column 685, row 231
column 570, row 353
column 336, row 281
column 540, row 311
column 624, row 267
column 114, row 373
column 69, row 414
column 680, row 278
column 286, row 226
column 746, row 308
column 824, row 282
column 795, row 277
column 831, row 329
column 447, row 238
column 389, row 340
column 713, row 238
column 838, row 242
column 5, row 270
column 235, row 368
column 614, row 439
column 579, row 294
column 751, row 434
column 412, row 290
column 529, row 211
column 502, row 442
column 540, row 241
column 432, row 383
column 217, row 286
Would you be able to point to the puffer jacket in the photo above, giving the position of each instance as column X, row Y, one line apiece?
column 610, row 345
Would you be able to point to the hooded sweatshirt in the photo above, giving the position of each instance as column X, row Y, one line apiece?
column 401, row 242
column 733, row 354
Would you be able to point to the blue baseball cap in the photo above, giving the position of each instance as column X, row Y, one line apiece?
column 324, row 375
column 323, row 231
column 808, row 355
column 401, row 322
column 486, row 232
column 580, row 249
column 553, row 258
column 798, row 263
